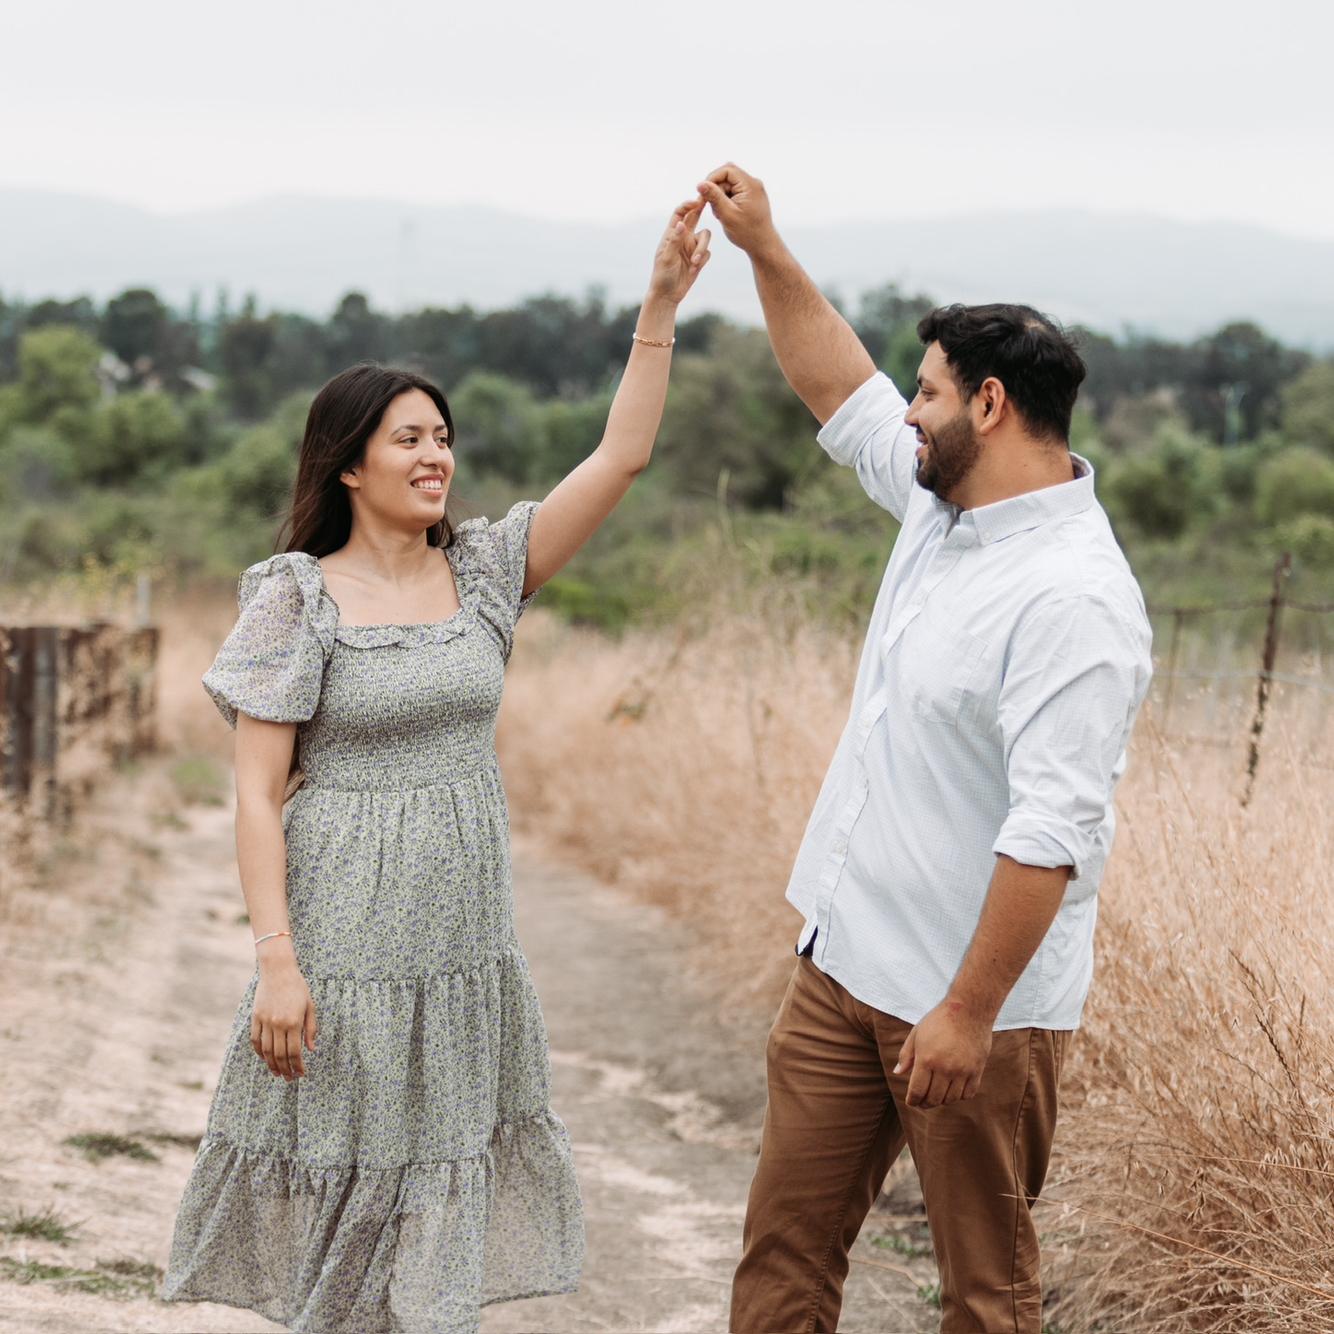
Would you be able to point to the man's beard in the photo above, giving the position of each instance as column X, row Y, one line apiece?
column 950, row 456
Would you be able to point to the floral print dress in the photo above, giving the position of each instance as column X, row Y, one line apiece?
column 416, row 1172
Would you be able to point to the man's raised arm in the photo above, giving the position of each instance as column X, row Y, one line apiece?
column 822, row 358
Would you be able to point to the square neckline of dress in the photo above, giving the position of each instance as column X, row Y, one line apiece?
column 341, row 624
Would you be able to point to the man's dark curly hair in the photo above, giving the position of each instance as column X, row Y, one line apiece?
column 1029, row 353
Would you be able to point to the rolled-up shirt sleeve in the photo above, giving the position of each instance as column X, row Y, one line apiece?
column 868, row 433
column 1077, row 672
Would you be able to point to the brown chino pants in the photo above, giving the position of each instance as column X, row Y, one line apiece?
column 836, row 1121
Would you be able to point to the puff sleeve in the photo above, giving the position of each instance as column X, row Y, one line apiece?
column 271, row 665
column 496, row 555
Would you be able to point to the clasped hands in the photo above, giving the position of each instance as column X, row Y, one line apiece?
column 740, row 204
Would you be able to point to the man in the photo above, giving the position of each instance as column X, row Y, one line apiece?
column 949, row 872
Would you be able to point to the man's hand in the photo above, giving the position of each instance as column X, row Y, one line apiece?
column 741, row 205
column 946, row 1054
column 817, row 350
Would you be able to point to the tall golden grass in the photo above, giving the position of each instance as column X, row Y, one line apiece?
column 1193, row 1180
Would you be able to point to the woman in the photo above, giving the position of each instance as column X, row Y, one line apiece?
column 404, row 1168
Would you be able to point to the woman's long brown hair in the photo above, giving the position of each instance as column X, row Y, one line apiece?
column 342, row 418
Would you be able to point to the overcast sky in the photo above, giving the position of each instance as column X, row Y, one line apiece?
column 610, row 109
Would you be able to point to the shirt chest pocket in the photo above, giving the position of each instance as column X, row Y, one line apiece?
column 944, row 673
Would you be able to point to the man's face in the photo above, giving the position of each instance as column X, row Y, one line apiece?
column 948, row 443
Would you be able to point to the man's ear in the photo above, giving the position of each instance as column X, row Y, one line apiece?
column 992, row 403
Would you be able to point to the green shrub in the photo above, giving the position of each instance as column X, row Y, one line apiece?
column 1163, row 489
column 57, row 369
column 257, row 473
column 583, row 603
column 1297, row 481
column 135, row 437
column 1308, row 407
column 1310, row 537
column 499, row 425
column 36, row 464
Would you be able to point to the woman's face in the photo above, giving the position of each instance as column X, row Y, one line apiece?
column 404, row 478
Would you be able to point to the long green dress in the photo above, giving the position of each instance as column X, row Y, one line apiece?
column 416, row 1171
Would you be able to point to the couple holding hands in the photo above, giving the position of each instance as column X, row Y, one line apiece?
column 380, row 1152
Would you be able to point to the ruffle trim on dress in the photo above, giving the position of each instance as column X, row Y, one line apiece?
column 403, row 1071
column 424, row 1183
column 419, row 1247
column 431, row 632
column 320, row 609
column 488, row 562
column 492, row 558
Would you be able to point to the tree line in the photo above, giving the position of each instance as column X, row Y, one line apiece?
column 153, row 413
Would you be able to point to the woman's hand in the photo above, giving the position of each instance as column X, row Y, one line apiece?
column 283, row 1013
column 682, row 253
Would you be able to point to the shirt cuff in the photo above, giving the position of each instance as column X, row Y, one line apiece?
column 865, row 408
column 1051, row 842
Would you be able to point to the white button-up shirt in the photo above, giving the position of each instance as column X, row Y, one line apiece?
column 1007, row 656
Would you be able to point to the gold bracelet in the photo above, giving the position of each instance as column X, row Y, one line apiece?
column 652, row 342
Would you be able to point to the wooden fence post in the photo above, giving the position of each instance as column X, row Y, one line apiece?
column 66, row 694
column 8, row 711
column 1281, row 571
column 18, row 722
column 45, row 738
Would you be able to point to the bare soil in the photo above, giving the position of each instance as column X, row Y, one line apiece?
column 122, row 967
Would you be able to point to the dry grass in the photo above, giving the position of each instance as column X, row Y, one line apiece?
column 681, row 766
column 1193, row 1183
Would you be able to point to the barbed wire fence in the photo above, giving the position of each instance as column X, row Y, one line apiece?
column 1264, row 678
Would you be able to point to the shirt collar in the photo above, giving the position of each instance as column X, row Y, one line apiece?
column 1018, row 514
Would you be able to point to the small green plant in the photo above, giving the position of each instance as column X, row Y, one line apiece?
column 45, row 1225
column 129, row 1267
column 929, row 1293
column 35, row 1271
column 199, row 780
column 98, row 1146
column 109, row 1278
column 181, row 1140
column 900, row 1245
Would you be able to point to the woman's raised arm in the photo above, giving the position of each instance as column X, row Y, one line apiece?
column 579, row 503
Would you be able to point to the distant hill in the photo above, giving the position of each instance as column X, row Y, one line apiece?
column 300, row 253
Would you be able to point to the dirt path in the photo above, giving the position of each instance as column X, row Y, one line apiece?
column 120, row 976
